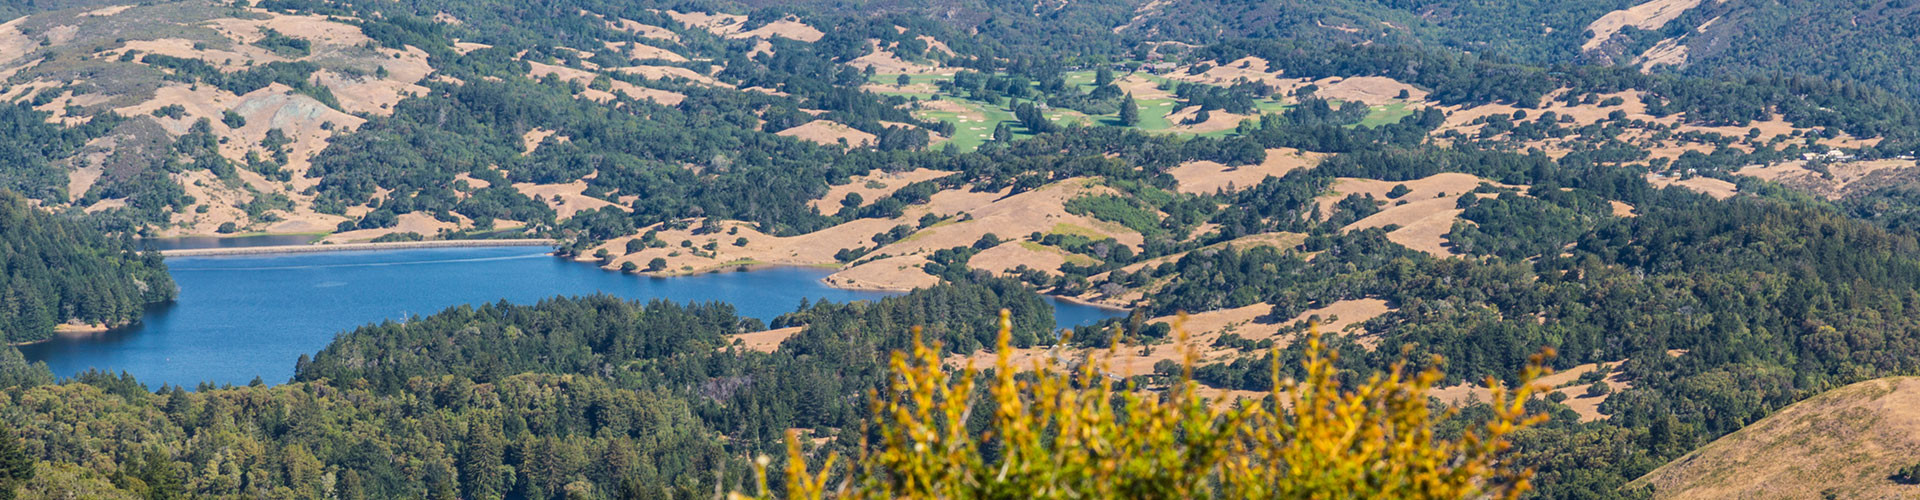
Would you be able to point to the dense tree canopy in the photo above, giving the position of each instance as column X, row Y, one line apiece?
column 55, row 270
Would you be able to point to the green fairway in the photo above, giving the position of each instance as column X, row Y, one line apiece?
column 1382, row 115
column 1154, row 113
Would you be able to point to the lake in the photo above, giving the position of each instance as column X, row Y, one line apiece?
column 240, row 317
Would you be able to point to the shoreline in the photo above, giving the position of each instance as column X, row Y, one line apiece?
column 755, row 266
column 346, row 247
column 69, row 331
column 1088, row 303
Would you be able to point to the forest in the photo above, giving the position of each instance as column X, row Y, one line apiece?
column 1717, row 312
column 59, row 270
column 588, row 397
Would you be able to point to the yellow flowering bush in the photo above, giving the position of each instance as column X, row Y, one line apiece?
column 1074, row 434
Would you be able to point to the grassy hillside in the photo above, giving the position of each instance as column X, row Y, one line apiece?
column 1424, row 176
column 1850, row 442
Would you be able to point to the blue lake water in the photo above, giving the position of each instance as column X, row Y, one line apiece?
column 239, row 317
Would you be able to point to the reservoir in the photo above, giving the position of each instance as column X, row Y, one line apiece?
column 240, row 317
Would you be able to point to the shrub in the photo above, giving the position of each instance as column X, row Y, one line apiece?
column 1071, row 433
column 1908, row 475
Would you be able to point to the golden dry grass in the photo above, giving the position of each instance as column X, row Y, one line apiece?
column 1647, row 16
column 1372, row 90
column 1217, row 120
column 1564, row 382
column 566, row 199
column 1426, row 216
column 642, row 29
column 585, row 77
column 1337, row 317
column 1013, row 254
column 1250, row 68
column 1846, row 178
column 1709, row 186
column 767, row 340
column 785, row 28
column 1845, row 443
column 1207, row 177
column 829, row 133
column 673, row 72
column 1668, row 52
column 888, row 182
column 884, row 61
column 1423, row 225
column 415, row 222
column 530, row 141
column 637, row 50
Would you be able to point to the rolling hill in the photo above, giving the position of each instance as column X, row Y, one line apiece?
column 1849, row 442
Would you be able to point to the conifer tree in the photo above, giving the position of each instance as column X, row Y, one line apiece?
column 1129, row 111
column 15, row 466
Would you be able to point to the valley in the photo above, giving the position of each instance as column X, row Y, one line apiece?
column 628, row 248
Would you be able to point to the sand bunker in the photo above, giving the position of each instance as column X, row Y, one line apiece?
column 1142, row 87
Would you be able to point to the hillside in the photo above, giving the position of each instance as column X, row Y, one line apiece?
column 1849, row 442
column 1470, row 182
